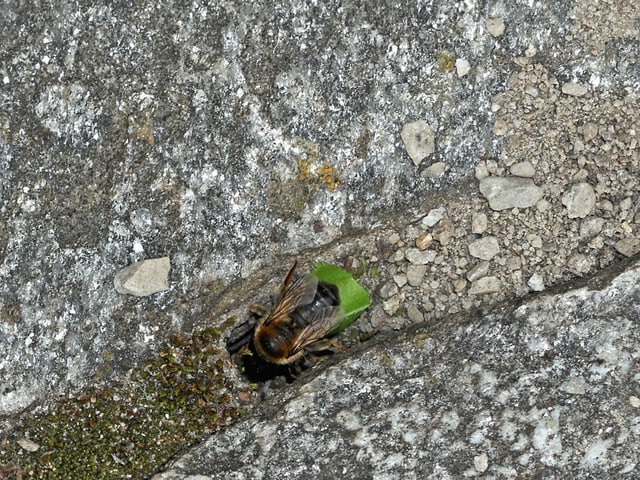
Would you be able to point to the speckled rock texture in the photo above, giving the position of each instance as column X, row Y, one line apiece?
column 544, row 389
column 224, row 136
column 234, row 136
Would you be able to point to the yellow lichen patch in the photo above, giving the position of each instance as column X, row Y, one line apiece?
column 304, row 169
column 325, row 175
column 328, row 176
column 142, row 129
column 385, row 360
column 420, row 339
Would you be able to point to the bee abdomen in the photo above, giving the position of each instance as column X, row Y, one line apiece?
column 326, row 296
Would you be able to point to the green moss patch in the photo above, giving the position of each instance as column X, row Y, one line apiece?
column 129, row 431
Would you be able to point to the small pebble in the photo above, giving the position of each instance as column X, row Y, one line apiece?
column 143, row 278
column 415, row 274
column 589, row 131
column 459, row 285
column 419, row 140
column 543, row 205
column 28, row 445
column 485, row 285
column 391, row 305
column 444, row 232
column 580, row 263
column 495, row 26
column 388, row 290
column 414, row 313
column 522, row 169
column 433, row 217
column 462, row 67
column 536, row 283
column 514, row 262
column 419, row 257
column 400, row 279
column 576, row 385
column 478, row 271
column 628, row 246
column 484, row 248
column 479, row 223
column 580, row 200
column 481, row 462
column 393, row 238
column 397, row 256
column 500, row 127
column 435, row 170
column 574, row 89
column 504, row 193
column 481, row 170
column 590, row 227
column 534, row 240
column 424, row 241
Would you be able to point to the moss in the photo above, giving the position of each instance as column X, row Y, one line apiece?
column 128, row 431
column 361, row 268
column 385, row 360
column 364, row 267
column 374, row 272
column 420, row 339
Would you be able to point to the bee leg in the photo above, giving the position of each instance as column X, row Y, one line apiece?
column 240, row 336
column 296, row 369
column 325, row 345
column 257, row 310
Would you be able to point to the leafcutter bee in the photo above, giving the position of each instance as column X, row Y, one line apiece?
column 306, row 314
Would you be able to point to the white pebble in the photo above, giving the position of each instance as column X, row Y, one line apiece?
column 462, row 67
column 143, row 278
column 495, row 26
column 419, row 140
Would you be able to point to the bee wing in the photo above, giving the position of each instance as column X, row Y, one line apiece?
column 322, row 324
column 297, row 293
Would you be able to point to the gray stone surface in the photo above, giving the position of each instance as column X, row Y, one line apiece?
column 223, row 136
column 236, row 136
column 544, row 389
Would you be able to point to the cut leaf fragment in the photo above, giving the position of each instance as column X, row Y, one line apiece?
column 354, row 299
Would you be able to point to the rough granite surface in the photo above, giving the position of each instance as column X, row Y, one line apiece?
column 232, row 137
column 548, row 388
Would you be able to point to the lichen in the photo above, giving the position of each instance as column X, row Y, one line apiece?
column 317, row 176
column 129, row 430
column 446, row 60
column 142, row 129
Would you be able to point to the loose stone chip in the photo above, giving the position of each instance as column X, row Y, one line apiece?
column 419, row 140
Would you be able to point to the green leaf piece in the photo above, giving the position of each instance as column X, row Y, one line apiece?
column 353, row 298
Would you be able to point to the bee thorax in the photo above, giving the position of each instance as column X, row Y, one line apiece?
column 273, row 344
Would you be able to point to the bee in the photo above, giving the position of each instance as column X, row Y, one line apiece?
column 306, row 314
